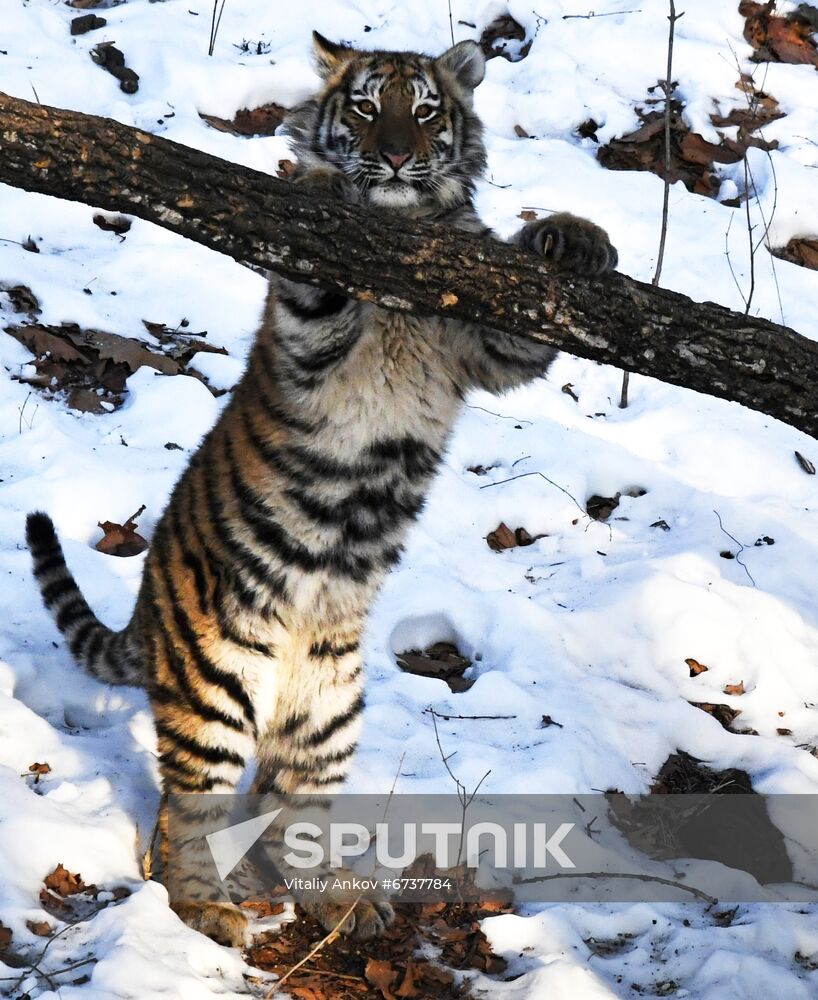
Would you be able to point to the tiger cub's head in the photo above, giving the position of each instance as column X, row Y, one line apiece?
column 400, row 125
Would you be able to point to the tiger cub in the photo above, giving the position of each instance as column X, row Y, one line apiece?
column 247, row 628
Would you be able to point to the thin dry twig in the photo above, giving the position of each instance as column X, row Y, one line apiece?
column 741, row 548
column 215, row 22
column 465, row 797
column 752, row 95
column 29, row 421
column 593, row 13
column 440, row 715
column 622, row 875
column 673, row 17
column 502, row 416
column 542, row 475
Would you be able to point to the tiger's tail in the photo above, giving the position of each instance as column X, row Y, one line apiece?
column 105, row 654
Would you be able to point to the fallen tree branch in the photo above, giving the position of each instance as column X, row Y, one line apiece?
column 413, row 267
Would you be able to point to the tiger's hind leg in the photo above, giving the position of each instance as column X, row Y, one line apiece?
column 303, row 758
column 204, row 744
column 195, row 892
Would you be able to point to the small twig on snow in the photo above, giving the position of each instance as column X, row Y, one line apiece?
column 593, row 13
column 703, row 896
column 440, row 715
column 466, row 798
column 741, row 548
column 542, row 475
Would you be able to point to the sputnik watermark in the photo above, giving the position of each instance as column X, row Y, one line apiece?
column 312, row 846
column 562, row 848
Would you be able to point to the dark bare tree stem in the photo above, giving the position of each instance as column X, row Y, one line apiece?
column 413, row 267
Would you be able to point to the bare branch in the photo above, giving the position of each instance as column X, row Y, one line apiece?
column 412, row 267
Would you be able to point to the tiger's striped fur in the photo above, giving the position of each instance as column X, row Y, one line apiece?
column 247, row 627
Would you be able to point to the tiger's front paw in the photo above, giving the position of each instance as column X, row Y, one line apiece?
column 222, row 922
column 327, row 181
column 369, row 919
column 574, row 244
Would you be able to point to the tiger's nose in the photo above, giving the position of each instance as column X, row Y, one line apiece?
column 396, row 159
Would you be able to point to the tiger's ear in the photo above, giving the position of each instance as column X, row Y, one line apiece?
column 329, row 56
column 466, row 62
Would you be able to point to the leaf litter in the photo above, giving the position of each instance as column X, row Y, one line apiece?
column 423, row 954
column 746, row 837
column 89, row 368
column 121, row 539
column 693, row 158
column 443, row 661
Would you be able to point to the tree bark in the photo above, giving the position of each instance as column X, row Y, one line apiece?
column 415, row 267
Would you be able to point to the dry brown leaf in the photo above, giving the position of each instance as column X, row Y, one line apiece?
column 435, row 974
column 127, row 351
column 408, row 988
column 121, row 539
column 442, row 661
column 286, row 168
column 785, row 39
column 805, row 464
column 683, row 774
column 802, row 251
column 22, row 299
column 696, row 149
column 784, row 732
column 38, row 770
column 723, row 714
column 504, row 538
column 501, row 538
column 734, row 688
column 87, row 401
column 380, row 973
column 263, row 120
column 92, row 366
column 5, row 936
column 42, row 340
column 498, row 39
column 63, row 882
column 692, row 157
column 528, row 215
column 601, row 508
column 520, row 132
column 39, row 927
column 118, row 224
column 588, row 129
column 696, row 668
column 448, row 299
column 307, row 992
column 85, row 23
column 53, row 903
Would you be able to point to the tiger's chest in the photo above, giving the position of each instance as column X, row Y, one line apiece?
column 398, row 380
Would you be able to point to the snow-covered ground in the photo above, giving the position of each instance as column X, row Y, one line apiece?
column 591, row 625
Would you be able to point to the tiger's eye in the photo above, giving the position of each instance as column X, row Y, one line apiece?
column 366, row 107
column 424, row 111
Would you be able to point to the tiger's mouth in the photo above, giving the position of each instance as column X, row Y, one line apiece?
column 395, row 192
